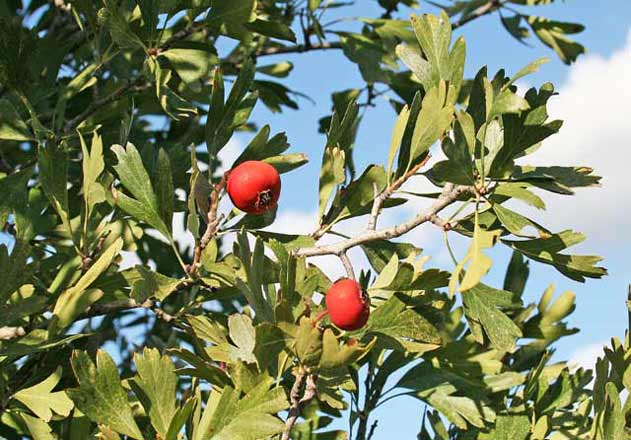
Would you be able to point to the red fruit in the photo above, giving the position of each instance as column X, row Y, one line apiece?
column 348, row 304
column 254, row 186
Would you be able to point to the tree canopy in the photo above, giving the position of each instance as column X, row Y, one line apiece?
column 112, row 116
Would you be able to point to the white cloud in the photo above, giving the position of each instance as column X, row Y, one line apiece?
column 594, row 105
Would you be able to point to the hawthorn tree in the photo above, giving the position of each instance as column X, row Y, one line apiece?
column 112, row 115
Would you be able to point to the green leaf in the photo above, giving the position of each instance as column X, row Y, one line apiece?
column 547, row 250
column 433, row 119
column 380, row 252
column 273, row 29
column 34, row 342
column 134, row 177
column 12, row 127
column 197, row 199
column 394, row 319
column 434, row 36
column 39, row 429
column 224, row 118
column 253, row 417
column 253, row 264
column 120, row 31
column 308, row 345
column 165, row 193
column 174, row 105
column 75, row 300
column 511, row 427
column 335, row 355
column 443, row 389
column 53, row 163
column 147, row 283
column 191, row 65
column 459, row 166
column 285, row 163
column 479, row 263
column 243, row 335
column 331, row 175
column 262, row 147
column 515, row 222
column 516, row 274
column 278, row 70
column 230, row 17
column 527, row 70
column 481, row 305
column 559, row 180
column 553, row 34
column 84, row 80
column 519, row 191
column 100, row 395
column 179, row 420
column 93, row 165
column 43, row 401
column 156, row 385
column 397, row 137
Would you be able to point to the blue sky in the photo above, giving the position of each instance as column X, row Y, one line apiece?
column 593, row 100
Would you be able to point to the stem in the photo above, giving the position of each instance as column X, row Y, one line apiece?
column 449, row 195
column 213, row 221
column 310, row 391
column 364, row 413
column 347, row 265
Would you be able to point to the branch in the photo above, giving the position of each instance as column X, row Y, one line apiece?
column 485, row 9
column 129, row 304
column 137, row 85
column 347, row 265
column 212, row 221
column 449, row 195
column 387, row 193
column 296, row 401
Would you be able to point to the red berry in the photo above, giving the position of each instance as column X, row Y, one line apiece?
column 254, row 186
column 348, row 304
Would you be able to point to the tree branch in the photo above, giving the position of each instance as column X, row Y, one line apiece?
column 140, row 84
column 347, row 265
column 137, row 85
column 127, row 304
column 483, row 10
column 387, row 193
column 296, row 401
column 449, row 195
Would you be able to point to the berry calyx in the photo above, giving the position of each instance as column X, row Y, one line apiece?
column 254, row 186
column 348, row 304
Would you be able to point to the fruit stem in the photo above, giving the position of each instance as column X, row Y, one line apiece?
column 320, row 315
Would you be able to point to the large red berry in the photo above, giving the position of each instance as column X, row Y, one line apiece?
column 254, row 186
column 348, row 304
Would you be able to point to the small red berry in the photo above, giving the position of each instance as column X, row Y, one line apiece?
column 348, row 304
column 254, row 186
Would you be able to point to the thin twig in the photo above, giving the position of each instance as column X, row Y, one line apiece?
column 213, row 221
column 449, row 195
column 441, row 223
column 483, row 10
column 347, row 265
column 296, row 401
column 387, row 193
column 128, row 304
column 137, row 85
column 372, row 429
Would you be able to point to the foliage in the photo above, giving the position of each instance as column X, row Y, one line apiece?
column 111, row 110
